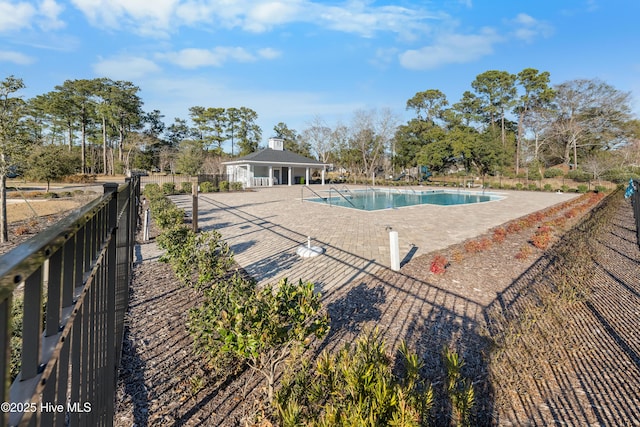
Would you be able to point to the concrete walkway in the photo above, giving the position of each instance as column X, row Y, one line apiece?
column 265, row 228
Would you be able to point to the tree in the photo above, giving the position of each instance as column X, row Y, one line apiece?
column 190, row 157
column 497, row 91
column 537, row 95
column 318, row 137
column 589, row 113
column 428, row 105
column 292, row 141
column 233, row 121
column 50, row 163
column 249, row 133
column 12, row 141
column 210, row 126
column 77, row 95
column 370, row 135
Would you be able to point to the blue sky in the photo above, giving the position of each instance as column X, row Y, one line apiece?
column 294, row 60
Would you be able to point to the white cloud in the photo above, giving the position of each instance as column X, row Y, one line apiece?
column 15, row 57
column 354, row 16
column 49, row 12
column 451, row 49
column 528, row 28
column 195, row 58
column 125, row 68
column 15, row 16
column 146, row 18
column 269, row 53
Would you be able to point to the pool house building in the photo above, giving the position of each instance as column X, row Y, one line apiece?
column 273, row 166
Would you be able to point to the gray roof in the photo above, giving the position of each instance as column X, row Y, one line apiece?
column 269, row 155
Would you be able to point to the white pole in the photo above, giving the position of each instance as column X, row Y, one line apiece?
column 145, row 236
column 395, row 250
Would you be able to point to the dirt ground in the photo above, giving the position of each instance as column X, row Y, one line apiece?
column 28, row 219
column 589, row 377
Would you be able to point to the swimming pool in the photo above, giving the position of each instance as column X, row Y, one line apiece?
column 377, row 199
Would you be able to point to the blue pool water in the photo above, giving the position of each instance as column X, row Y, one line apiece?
column 373, row 199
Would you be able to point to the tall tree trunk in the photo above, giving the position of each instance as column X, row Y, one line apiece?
column 83, row 150
column 4, row 232
column 519, row 139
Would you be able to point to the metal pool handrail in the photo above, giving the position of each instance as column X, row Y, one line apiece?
column 310, row 189
column 343, row 196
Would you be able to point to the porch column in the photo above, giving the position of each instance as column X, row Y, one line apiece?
column 290, row 175
column 270, row 176
column 249, row 176
column 307, row 176
column 323, row 175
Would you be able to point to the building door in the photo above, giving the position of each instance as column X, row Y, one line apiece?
column 276, row 176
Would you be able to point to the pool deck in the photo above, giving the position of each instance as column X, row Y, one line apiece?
column 265, row 228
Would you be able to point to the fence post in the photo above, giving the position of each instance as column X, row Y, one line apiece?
column 395, row 250
column 112, row 270
column 194, row 203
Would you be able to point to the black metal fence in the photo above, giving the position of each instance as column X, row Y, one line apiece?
column 74, row 282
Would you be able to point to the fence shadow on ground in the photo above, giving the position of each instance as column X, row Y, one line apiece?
column 582, row 384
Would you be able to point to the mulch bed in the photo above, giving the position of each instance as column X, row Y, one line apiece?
column 164, row 382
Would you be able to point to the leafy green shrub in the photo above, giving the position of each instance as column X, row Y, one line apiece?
column 532, row 187
column 553, row 173
column 236, row 186
column 459, row 390
column 186, row 187
column 564, row 188
column 579, row 175
column 207, row 187
column 547, row 187
column 356, row 387
column 261, row 326
column 622, row 175
column 600, row 189
column 152, row 192
column 582, row 188
column 199, row 260
column 519, row 186
column 224, row 185
column 168, row 188
column 50, row 195
column 534, row 173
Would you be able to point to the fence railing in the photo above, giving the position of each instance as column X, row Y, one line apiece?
column 73, row 280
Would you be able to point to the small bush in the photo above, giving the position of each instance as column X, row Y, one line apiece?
column 79, row 179
column 582, row 188
column 579, row 175
column 207, row 187
column 21, row 230
column 224, row 185
column 600, row 189
column 439, row 265
column 532, row 187
column 186, row 187
column 553, row 173
column 499, row 235
column 50, row 195
column 547, row 187
column 519, row 186
column 236, row 186
column 168, row 188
